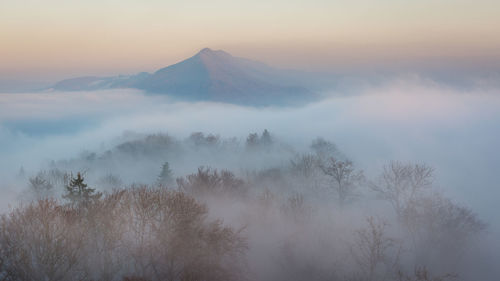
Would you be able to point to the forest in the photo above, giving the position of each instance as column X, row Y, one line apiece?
column 156, row 207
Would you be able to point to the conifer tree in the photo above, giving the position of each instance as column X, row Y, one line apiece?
column 166, row 175
column 265, row 138
column 78, row 193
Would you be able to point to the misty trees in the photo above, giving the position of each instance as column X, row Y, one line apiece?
column 379, row 257
column 422, row 274
column 376, row 254
column 149, row 233
column 166, row 176
column 401, row 184
column 265, row 138
column 46, row 184
column 198, row 139
column 209, row 181
column 254, row 141
column 41, row 241
column 171, row 238
column 343, row 176
column 408, row 187
column 105, row 222
column 110, row 182
column 175, row 241
column 296, row 208
column 156, row 145
column 305, row 169
column 439, row 229
column 305, row 165
column 78, row 193
column 153, row 233
column 324, row 149
column 40, row 186
column 21, row 174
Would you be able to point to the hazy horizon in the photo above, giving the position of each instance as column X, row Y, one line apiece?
column 53, row 40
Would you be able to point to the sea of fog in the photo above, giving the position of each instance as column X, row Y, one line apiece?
column 456, row 131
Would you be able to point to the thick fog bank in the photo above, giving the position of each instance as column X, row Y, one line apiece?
column 408, row 168
column 455, row 131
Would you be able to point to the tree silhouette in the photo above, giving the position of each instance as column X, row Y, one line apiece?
column 403, row 183
column 345, row 177
column 252, row 140
column 166, row 175
column 78, row 193
column 265, row 138
column 41, row 187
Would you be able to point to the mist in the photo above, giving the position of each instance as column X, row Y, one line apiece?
column 408, row 119
column 405, row 119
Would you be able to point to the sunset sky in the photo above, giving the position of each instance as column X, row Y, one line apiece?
column 54, row 39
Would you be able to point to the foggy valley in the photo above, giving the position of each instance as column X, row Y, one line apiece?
column 397, row 182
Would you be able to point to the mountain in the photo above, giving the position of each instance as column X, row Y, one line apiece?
column 208, row 76
column 91, row 83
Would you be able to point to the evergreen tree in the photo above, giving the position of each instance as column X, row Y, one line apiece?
column 77, row 192
column 166, row 175
column 266, row 139
column 22, row 173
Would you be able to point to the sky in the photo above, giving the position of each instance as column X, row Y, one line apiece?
column 55, row 39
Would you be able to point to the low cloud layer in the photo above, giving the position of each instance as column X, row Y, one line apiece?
column 406, row 119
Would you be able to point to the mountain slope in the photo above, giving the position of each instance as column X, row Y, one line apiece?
column 208, row 76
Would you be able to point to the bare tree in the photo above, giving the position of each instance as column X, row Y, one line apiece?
column 40, row 186
column 305, row 165
column 440, row 229
column 344, row 177
column 401, row 184
column 296, row 208
column 174, row 241
column 42, row 241
column 375, row 254
column 46, row 184
column 106, row 223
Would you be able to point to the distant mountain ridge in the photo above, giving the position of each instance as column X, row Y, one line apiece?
column 207, row 76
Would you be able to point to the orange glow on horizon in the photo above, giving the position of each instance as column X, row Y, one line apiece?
column 56, row 38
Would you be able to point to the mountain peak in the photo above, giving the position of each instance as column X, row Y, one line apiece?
column 205, row 50
column 210, row 52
